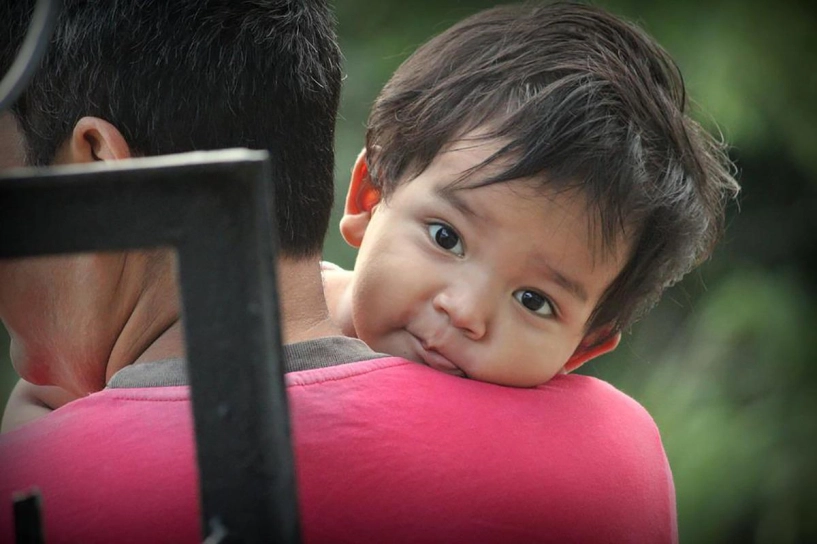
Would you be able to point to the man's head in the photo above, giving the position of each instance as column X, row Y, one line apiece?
column 191, row 75
column 137, row 78
column 579, row 100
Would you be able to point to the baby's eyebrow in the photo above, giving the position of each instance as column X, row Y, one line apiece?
column 451, row 195
column 571, row 286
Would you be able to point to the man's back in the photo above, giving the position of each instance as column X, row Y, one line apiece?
column 116, row 466
column 389, row 449
column 386, row 450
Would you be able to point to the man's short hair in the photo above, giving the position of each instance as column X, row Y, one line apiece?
column 184, row 75
column 579, row 99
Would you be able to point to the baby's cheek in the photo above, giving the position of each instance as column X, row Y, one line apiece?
column 366, row 315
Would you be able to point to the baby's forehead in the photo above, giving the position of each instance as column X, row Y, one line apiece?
column 498, row 204
column 477, row 160
column 477, row 163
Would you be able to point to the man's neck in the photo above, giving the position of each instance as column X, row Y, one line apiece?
column 151, row 330
column 304, row 315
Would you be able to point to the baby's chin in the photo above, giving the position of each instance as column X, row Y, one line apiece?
column 478, row 373
column 398, row 344
column 405, row 345
column 390, row 345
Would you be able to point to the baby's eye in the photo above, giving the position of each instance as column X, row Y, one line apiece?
column 535, row 302
column 447, row 238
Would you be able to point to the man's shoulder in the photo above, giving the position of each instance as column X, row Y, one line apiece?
column 575, row 457
column 594, row 394
column 568, row 388
column 336, row 372
column 75, row 457
column 108, row 409
column 412, row 387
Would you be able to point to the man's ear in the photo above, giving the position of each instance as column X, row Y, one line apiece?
column 93, row 139
column 361, row 201
column 595, row 343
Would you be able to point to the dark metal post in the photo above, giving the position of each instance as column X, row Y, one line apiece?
column 214, row 208
column 28, row 523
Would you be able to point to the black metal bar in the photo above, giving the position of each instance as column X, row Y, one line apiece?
column 28, row 525
column 214, row 209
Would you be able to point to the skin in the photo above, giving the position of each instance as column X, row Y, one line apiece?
column 493, row 283
column 75, row 320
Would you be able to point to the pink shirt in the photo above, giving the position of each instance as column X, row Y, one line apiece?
column 386, row 450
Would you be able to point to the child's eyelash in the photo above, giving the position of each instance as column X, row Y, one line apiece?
column 534, row 301
column 446, row 237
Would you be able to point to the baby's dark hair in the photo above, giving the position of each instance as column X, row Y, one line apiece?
column 578, row 99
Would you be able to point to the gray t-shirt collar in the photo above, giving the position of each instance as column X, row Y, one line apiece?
column 318, row 353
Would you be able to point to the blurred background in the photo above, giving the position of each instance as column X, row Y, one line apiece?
column 726, row 363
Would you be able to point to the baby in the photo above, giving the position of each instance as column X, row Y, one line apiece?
column 531, row 184
column 491, row 282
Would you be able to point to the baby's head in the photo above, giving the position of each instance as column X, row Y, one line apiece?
column 531, row 184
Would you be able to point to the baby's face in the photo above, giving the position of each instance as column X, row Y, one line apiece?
column 493, row 283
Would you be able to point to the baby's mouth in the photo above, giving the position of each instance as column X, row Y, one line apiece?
column 436, row 360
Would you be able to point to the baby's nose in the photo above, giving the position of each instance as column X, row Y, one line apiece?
column 468, row 305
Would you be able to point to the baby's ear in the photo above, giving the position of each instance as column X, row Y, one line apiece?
column 361, row 200
column 597, row 342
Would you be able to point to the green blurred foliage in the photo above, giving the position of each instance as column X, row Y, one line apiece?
column 725, row 363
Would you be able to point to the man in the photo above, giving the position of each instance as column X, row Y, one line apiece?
column 385, row 449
